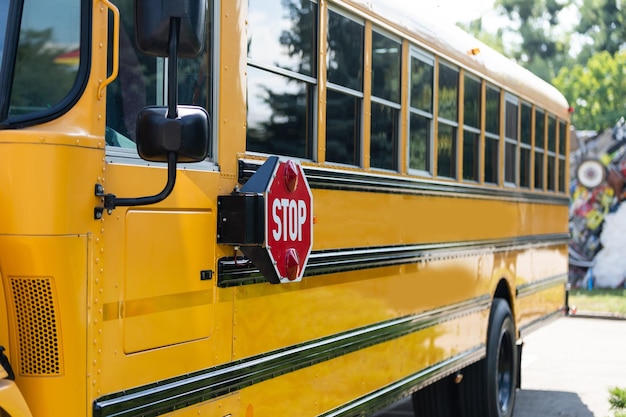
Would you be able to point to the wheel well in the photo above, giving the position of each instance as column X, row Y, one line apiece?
column 503, row 292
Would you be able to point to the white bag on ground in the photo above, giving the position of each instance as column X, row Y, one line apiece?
column 610, row 268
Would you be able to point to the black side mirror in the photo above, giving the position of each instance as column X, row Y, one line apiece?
column 152, row 26
column 157, row 135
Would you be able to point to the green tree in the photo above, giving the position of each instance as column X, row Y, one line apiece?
column 476, row 29
column 543, row 46
column 597, row 90
column 604, row 23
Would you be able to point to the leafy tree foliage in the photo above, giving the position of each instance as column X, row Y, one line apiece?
column 542, row 48
column 604, row 23
column 597, row 90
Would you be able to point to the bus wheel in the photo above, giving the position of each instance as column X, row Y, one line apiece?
column 436, row 400
column 490, row 385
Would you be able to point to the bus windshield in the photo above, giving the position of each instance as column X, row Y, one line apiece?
column 4, row 11
column 47, row 59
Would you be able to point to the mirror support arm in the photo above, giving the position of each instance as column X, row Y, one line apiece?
column 172, row 87
column 110, row 201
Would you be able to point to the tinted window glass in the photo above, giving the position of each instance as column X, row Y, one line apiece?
column 345, row 52
column 446, row 151
column 551, row 134
column 471, row 102
column 385, row 68
column 491, row 161
column 282, row 51
column 283, row 34
column 421, row 85
column 419, row 142
column 492, row 123
column 524, row 178
column 279, row 116
column 48, row 55
column 539, row 129
column 4, row 11
column 383, row 147
column 511, row 117
column 526, row 124
column 448, row 92
column 344, row 102
column 471, row 152
column 562, row 136
column 343, row 128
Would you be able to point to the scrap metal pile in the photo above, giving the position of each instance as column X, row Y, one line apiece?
column 597, row 217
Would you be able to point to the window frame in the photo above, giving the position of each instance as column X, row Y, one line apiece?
column 428, row 59
column 513, row 99
column 337, row 88
column 311, row 82
column 496, row 137
column 396, row 139
column 473, row 129
column 454, row 124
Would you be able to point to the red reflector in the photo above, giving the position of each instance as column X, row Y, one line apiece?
column 291, row 176
column 293, row 264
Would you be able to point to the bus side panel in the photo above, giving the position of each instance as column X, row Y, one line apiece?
column 45, row 278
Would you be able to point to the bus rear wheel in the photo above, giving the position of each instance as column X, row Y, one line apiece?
column 489, row 386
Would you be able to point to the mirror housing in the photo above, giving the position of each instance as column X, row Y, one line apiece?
column 153, row 22
column 186, row 135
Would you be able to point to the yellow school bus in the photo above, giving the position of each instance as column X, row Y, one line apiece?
column 252, row 208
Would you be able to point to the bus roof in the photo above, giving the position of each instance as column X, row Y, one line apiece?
column 456, row 45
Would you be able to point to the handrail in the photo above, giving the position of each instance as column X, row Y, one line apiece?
column 116, row 48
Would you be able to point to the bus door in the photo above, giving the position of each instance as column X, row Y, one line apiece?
column 159, row 259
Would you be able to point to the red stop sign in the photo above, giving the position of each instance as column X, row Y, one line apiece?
column 289, row 221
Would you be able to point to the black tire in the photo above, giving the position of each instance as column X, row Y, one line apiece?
column 489, row 386
column 436, row 400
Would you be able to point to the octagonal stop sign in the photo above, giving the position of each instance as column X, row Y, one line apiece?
column 270, row 220
column 288, row 221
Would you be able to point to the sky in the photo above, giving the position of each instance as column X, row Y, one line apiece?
column 454, row 11
column 458, row 10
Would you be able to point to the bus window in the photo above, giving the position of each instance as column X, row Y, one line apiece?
column 281, row 77
column 48, row 55
column 385, row 119
column 539, row 148
column 344, row 97
column 141, row 81
column 448, row 120
column 511, row 127
column 4, row 11
column 471, row 127
column 562, row 139
column 492, row 135
column 551, row 153
column 525, row 145
column 421, row 112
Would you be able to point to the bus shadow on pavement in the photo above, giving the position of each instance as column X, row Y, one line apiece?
column 533, row 403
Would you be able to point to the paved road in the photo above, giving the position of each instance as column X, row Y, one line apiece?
column 567, row 369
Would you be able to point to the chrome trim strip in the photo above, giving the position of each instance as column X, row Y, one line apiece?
column 242, row 272
column 336, row 179
column 186, row 390
column 541, row 285
column 385, row 396
column 526, row 329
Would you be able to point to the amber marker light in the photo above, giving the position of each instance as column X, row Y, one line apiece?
column 291, row 176
column 293, row 264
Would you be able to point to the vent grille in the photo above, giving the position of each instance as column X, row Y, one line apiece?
column 37, row 327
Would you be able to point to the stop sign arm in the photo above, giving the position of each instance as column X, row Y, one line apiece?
column 270, row 220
